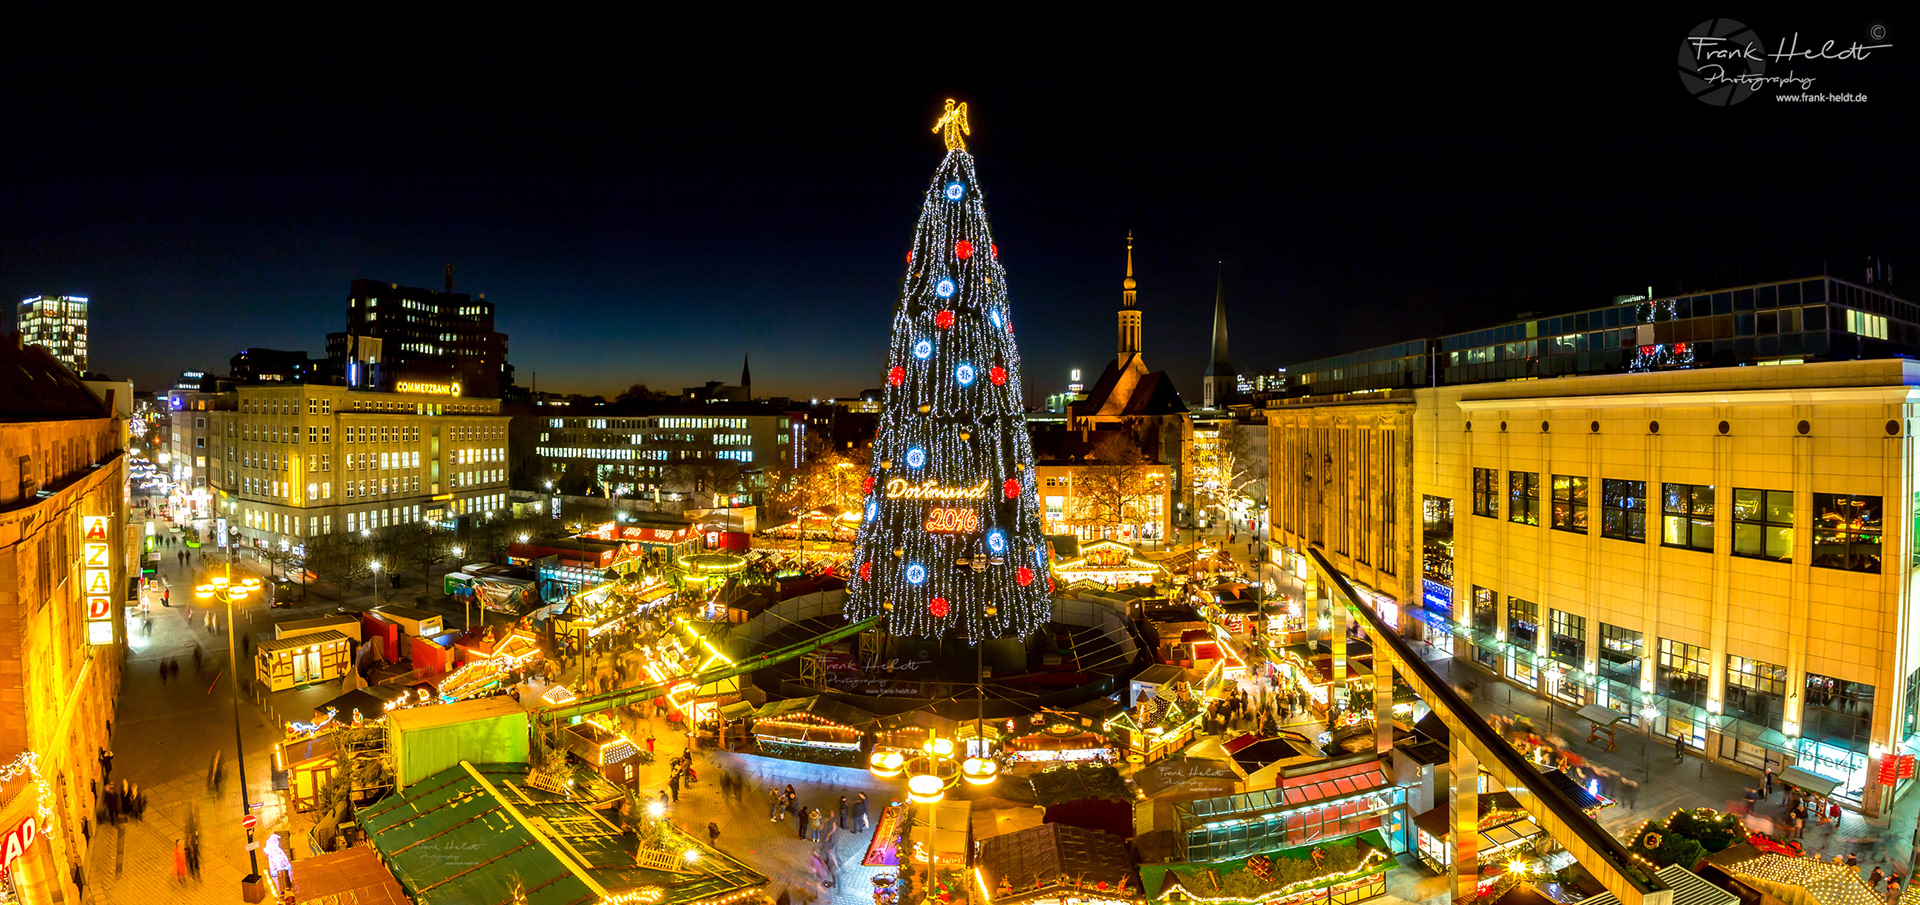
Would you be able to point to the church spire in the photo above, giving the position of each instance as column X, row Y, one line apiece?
column 1129, row 315
column 746, row 376
column 1222, row 383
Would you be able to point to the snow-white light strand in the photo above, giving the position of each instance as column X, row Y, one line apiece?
column 949, row 440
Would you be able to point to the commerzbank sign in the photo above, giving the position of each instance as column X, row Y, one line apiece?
column 430, row 389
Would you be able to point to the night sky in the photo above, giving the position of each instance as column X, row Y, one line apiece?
column 649, row 223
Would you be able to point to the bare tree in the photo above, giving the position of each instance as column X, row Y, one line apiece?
column 1117, row 487
column 1229, row 468
column 339, row 559
column 419, row 545
column 702, row 473
column 825, row 478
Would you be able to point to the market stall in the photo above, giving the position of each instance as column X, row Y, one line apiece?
column 816, row 728
column 907, row 732
column 1339, row 872
column 1053, row 864
column 1050, row 737
column 490, row 667
column 283, row 663
column 605, row 749
column 949, row 835
column 1107, row 564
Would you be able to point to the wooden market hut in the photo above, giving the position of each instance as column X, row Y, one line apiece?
column 1053, row 863
column 814, row 728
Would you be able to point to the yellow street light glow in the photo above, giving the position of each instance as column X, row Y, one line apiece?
column 980, row 770
column 656, row 809
column 693, row 854
column 939, row 747
column 203, row 593
column 926, row 788
column 886, row 764
column 218, row 581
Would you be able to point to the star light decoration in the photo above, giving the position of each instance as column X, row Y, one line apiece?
column 948, row 440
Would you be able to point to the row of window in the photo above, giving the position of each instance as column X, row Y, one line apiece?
column 1835, row 711
column 1846, row 527
column 365, row 461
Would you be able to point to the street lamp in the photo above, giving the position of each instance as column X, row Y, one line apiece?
column 375, row 565
column 222, row 588
column 929, row 775
column 1646, row 760
column 466, row 601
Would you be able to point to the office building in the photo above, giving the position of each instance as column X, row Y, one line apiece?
column 65, row 549
column 398, row 335
column 1716, row 551
column 294, row 462
column 272, row 366
column 713, row 450
column 58, row 324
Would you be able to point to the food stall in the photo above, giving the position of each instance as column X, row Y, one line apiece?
column 817, row 729
column 1053, row 736
column 488, row 667
column 907, row 732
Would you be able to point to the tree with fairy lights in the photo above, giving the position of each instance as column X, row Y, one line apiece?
column 951, row 543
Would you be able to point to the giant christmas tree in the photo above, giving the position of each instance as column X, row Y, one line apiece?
column 951, row 545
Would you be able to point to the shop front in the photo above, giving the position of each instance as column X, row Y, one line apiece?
column 815, row 729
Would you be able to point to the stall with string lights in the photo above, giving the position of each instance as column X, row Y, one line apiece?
column 1107, row 564
column 1054, row 736
column 1338, row 872
column 817, row 729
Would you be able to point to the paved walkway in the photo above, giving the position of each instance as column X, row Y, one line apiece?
column 165, row 735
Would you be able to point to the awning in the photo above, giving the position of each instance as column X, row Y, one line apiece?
column 1809, row 781
column 1508, row 835
column 1688, row 889
column 1601, row 716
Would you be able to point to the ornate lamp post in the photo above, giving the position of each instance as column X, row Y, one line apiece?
column 929, row 775
column 466, row 602
column 223, row 588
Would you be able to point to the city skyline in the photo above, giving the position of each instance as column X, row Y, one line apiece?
column 1343, row 222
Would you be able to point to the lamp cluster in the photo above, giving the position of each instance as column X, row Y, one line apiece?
column 952, row 545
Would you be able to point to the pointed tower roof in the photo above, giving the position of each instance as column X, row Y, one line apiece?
column 1127, row 285
column 746, row 373
column 1221, row 365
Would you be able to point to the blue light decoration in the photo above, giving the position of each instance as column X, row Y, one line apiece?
column 916, row 573
column 996, row 541
column 943, row 289
column 923, row 349
column 916, row 458
column 1039, row 557
column 964, row 374
column 955, row 190
column 994, row 316
column 873, row 510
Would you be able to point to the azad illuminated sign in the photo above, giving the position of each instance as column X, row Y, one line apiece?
column 899, row 489
column 431, row 389
column 97, row 578
column 17, row 843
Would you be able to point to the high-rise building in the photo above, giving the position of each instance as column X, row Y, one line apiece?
column 66, row 553
column 703, row 450
column 58, row 324
column 1698, row 518
column 398, row 335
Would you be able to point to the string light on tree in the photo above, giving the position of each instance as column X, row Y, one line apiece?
column 947, row 439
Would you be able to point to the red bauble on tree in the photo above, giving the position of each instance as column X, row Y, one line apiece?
column 866, row 487
column 866, row 571
column 1023, row 575
column 943, row 320
column 998, row 375
column 963, row 249
column 909, row 256
column 938, row 607
column 990, row 247
column 896, row 375
column 1012, row 487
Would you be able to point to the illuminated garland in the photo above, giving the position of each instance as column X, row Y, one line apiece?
column 1372, row 859
column 28, row 764
column 949, row 440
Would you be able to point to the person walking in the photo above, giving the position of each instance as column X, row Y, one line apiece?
column 113, row 805
column 180, row 860
column 1679, row 747
column 1769, row 781
column 841, row 815
column 713, row 833
column 776, row 801
column 1874, row 879
column 801, row 817
column 673, row 783
column 817, row 824
column 860, row 812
